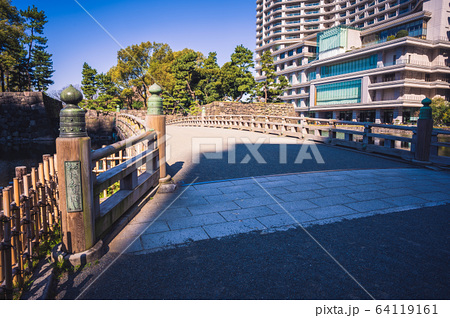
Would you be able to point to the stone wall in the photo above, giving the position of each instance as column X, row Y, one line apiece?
column 99, row 124
column 139, row 113
column 232, row 108
column 28, row 117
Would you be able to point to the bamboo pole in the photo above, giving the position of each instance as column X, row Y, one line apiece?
column 7, row 261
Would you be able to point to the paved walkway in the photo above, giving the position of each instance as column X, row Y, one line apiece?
column 277, row 203
column 215, row 226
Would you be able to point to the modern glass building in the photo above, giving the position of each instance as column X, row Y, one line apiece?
column 367, row 60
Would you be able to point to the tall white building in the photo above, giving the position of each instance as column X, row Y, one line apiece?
column 346, row 59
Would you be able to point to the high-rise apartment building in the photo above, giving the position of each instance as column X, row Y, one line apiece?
column 366, row 60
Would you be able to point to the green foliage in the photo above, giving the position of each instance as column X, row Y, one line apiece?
column 132, row 68
column 137, row 104
column 185, row 69
column 11, row 49
column 390, row 38
column 241, row 62
column 42, row 66
column 401, row 34
column 89, row 85
column 35, row 43
column 270, row 88
column 24, row 62
column 209, row 86
column 441, row 111
column 102, row 103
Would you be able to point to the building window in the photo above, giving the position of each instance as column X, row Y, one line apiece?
column 347, row 92
column 349, row 67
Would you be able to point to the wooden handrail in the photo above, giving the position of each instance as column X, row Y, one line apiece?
column 120, row 145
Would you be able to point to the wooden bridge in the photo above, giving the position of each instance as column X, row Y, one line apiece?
column 88, row 191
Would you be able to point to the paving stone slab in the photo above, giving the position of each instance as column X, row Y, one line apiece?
column 277, row 220
column 183, row 202
column 234, row 188
column 367, row 195
column 436, row 196
column 297, row 196
column 332, row 200
column 405, row 200
column 292, row 206
column 274, row 184
column 330, row 211
column 366, row 180
column 371, row 205
column 228, row 197
column 211, row 208
column 158, row 240
column 304, row 187
column 258, row 192
column 247, row 203
column 248, row 213
column 191, row 191
column 212, row 185
column 336, row 191
column 232, row 228
column 399, row 191
column 195, row 221
column 171, row 214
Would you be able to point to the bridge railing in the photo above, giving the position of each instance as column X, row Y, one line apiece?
column 393, row 140
column 29, row 216
column 131, row 178
column 97, row 187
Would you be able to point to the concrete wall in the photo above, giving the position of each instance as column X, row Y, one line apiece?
column 28, row 117
column 232, row 108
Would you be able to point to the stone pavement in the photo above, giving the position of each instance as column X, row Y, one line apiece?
column 276, row 203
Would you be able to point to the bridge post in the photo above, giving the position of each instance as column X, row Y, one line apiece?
column 203, row 116
column 73, row 148
column 424, row 132
column 156, row 120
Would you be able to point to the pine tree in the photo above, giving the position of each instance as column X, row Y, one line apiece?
column 42, row 66
column 89, row 84
column 270, row 88
column 11, row 32
column 209, row 85
column 34, row 29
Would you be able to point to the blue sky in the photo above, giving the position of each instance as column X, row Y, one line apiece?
column 202, row 25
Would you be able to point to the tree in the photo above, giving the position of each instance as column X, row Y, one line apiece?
column 229, row 74
column 209, row 86
column 42, row 66
column 270, row 88
column 89, row 85
column 441, row 111
column 105, row 85
column 34, row 28
column 239, row 71
column 401, row 34
column 132, row 68
column 186, row 73
column 11, row 33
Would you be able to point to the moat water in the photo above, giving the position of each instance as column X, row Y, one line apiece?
column 29, row 155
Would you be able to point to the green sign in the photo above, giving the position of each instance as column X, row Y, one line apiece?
column 74, row 194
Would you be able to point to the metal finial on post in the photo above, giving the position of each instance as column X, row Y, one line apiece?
column 72, row 117
column 425, row 110
column 155, row 102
